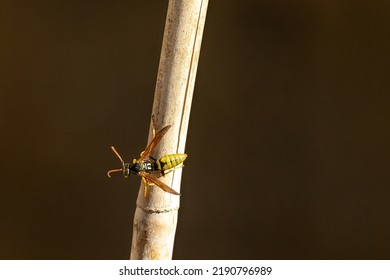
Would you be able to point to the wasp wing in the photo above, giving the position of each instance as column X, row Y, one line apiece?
column 158, row 183
column 156, row 139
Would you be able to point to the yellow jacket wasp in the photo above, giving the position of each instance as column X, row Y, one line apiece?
column 146, row 165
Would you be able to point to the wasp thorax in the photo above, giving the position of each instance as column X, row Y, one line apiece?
column 135, row 168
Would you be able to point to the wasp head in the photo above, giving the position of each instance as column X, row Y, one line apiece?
column 126, row 170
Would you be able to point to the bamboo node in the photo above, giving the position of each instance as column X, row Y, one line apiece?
column 158, row 210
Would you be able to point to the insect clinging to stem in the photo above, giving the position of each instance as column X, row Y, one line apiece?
column 146, row 165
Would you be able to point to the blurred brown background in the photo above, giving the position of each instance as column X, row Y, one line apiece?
column 288, row 142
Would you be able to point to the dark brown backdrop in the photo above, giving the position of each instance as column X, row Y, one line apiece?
column 288, row 142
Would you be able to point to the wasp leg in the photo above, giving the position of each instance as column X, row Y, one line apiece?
column 165, row 172
column 146, row 184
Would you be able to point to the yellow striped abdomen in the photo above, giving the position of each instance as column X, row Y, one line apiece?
column 171, row 161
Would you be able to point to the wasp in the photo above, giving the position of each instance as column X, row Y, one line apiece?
column 146, row 165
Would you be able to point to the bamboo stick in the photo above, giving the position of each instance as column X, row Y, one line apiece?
column 156, row 214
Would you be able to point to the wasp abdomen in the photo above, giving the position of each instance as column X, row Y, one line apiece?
column 171, row 161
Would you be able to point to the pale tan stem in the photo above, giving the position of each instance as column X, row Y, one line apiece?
column 156, row 214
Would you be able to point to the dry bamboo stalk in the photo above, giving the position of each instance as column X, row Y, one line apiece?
column 156, row 214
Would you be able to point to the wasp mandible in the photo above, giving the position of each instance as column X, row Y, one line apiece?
column 146, row 165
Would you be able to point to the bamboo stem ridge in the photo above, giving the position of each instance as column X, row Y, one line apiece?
column 156, row 214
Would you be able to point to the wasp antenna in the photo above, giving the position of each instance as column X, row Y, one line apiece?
column 117, row 154
column 114, row 170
